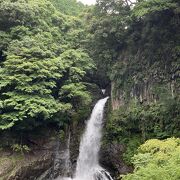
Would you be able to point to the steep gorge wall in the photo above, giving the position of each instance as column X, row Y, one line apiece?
column 142, row 81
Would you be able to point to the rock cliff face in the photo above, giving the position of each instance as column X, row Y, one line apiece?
column 32, row 169
column 137, row 75
column 112, row 160
column 48, row 159
column 76, row 133
column 143, row 92
column 28, row 166
column 111, row 153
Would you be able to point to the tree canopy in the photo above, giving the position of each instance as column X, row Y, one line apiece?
column 157, row 159
column 41, row 69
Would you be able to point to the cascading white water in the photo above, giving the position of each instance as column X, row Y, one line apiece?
column 88, row 167
column 103, row 91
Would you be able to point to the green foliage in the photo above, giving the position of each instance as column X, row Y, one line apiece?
column 135, row 123
column 61, row 135
column 140, row 43
column 154, row 120
column 25, row 13
column 69, row 7
column 106, row 29
column 147, row 7
column 42, row 71
column 132, row 143
column 150, row 55
column 157, row 159
column 20, row 148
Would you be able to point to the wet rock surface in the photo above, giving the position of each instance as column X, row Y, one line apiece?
column 32, row 169
column 111, row 159
column 27, row 165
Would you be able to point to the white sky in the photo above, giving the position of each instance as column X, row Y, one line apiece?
column 89, row 2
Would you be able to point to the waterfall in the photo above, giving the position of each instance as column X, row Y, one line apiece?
column 103, row 91
column 88, row 167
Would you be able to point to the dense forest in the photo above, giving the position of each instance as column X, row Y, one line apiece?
column 55, row 53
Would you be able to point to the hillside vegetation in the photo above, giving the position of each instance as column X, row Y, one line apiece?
column 52, row 52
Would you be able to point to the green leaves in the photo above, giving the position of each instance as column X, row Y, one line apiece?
column 19, row 107
column 69, row 7
column 23, row 13
column 131, row 125
column 76, row 91
column 41, row 76
column 78, row 63
column 146, row 7
column 157, row 159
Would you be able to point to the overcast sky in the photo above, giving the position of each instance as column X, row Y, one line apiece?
column 89, row 2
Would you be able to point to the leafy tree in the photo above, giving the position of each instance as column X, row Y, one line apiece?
column 41, row 72
column 69, row 7
column 106, row 25
column 157, row 159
